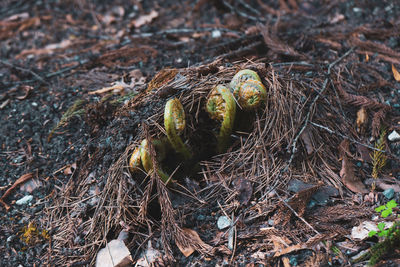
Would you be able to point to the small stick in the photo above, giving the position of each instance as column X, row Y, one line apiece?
column 306, row 121
column 37, row 76
column 353, row 140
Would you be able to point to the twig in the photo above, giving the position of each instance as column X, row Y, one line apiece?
column 37, row 76
column 48, row 75
column 353, row 140
column 240, row 13
column 181, row 31
column 299, row 63
column 234, row 53
column 295, row 213
column 249, row 7
column 307, row 119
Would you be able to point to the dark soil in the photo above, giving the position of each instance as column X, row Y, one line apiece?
column 54, row 53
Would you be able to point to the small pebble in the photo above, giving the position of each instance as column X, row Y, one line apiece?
column 216, row 34
column 394, row 136
column 25, row 200
column 10, row 238
column 201, row 217
column 389, row 193
column 223, row 222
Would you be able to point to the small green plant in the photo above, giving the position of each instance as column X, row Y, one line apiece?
column 391, row 236
column 385, row 211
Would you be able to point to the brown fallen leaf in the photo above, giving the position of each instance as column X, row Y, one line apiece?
column 48, row 49
column 289, row 250
column 70, row 169
column 306, row 138
column 27, row 89
column 19, row 181
column 349, row 179
column 396, row 74
column 195, row 243
column 364, row 153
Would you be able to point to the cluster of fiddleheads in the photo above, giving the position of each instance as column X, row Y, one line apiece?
column 245, row 89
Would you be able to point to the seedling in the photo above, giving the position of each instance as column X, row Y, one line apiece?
column 385, row 211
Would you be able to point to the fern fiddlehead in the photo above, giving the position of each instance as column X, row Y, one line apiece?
column 141, row 156
column 174, row 123
column 221, row 106
column 248, row 89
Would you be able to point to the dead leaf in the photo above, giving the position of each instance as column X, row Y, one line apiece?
column 145, row 19
column 364, row 153
column 118, row 87
column 69, row 169
column 30, row 185
column 195, row 242
column 27, row 90
column 289, row 250
column 385, row 183
column 5, row 103
column 19, row 181
column 361, row 121
column 396, row 74
column 349, row 179
column 19, row 16
column 306, row 138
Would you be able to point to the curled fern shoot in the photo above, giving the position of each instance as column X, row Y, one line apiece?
column 251, row 94
column 243, row 76
column 248, row 89
column 174, row 123
column 141, row 156
column 147, row 162
column 221, row 106
column 135, row 160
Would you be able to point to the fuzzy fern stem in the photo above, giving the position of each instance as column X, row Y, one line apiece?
column 174, row 123
column 222, row 107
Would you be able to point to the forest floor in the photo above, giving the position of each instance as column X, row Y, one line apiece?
column 83, row 82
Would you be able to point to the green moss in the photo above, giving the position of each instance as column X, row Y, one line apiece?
column 387, row 246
